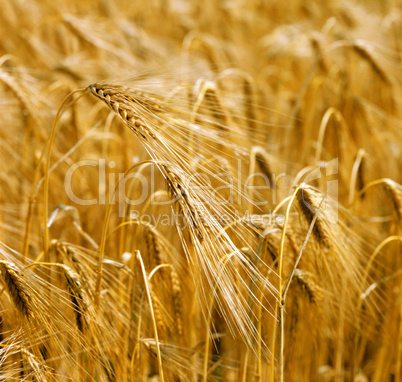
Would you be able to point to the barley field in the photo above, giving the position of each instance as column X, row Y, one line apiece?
column 201, row 190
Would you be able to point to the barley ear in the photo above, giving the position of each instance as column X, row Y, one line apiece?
column 17, row 288
column 395, row 191
column 79, row 299
column 308, row 201
column 307, row 285
column 38, row 368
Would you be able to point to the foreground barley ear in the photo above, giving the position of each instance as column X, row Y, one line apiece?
column 164, row 131
column 308, row 201
column 176, row 186
column 121, row 102
column 18, row 289
column 79, row 298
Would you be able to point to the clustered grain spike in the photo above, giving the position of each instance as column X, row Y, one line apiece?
column 157, row 312
column 177, row 300
column 38, row 369
column 178, row 190
column 308, row 201
column 154, row 250
column 156, row 257
column 78, row 297
column 126, row 106
column 395, row 190
column 264, row 163
column 306, row 285
column 18, row 289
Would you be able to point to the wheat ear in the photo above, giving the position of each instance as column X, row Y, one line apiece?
column 306, row 284
column 357, row 177
column 307, row 201
column 123, row 104
column 17, row 288
column 78, row 297
column 38, row 369
column 394, row 189
column 178, row 190
column 364, row 52
column 156, row 253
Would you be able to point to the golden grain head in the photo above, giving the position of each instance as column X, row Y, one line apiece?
column 79, row 297
column 18, row 289
column 395, row 191
column 125, row 106
column 308, row 201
